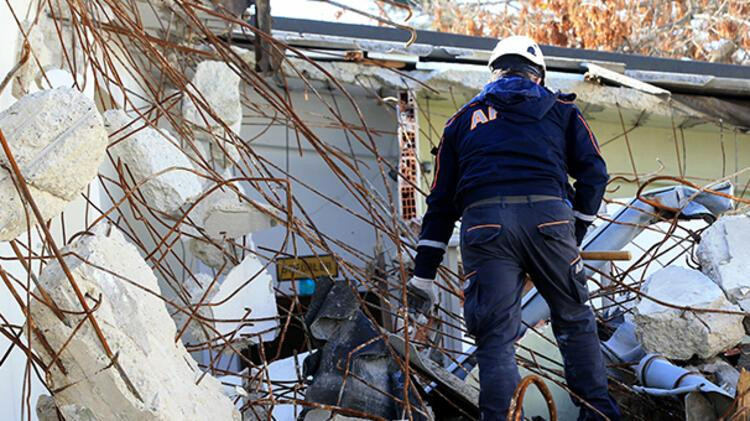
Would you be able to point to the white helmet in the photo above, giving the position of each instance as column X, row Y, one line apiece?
column 518, row 45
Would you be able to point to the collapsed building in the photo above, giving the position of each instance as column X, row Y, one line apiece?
column 207, row 214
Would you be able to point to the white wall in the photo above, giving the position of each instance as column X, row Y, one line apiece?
column 329, row 218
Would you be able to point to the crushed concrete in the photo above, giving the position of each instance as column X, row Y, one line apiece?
column 677, row 334
column 147, row 152
column 58, row 140
column 154, row 377
column 725, row 257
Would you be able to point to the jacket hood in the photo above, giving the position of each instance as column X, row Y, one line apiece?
column 518, row 98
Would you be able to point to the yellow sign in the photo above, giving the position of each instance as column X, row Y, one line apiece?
column 291, row 268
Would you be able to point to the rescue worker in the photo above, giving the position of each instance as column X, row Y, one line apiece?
column 503, row 166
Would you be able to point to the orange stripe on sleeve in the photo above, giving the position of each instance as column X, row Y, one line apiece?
column 437, row 164
column 591, row 135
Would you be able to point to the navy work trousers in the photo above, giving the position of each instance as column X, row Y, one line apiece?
column 500, row 243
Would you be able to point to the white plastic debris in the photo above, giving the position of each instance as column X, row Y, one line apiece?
column 247, row 293
column 152, row 155
column 153, row 378
column 58, row 140
column 724, row 255
column 679, row 334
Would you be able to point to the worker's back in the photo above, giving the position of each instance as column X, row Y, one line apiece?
column 511, row 140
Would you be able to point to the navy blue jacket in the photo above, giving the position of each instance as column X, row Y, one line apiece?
column 514, row 138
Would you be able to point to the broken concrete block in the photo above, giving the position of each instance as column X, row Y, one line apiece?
column 222, row 215
column 147, row 152
column 153, row 378
column 247, row 293
column 678, row 334
column 47, row 410
column 725, row 257
column 228, row 213
column 43, row 34
column 216, row 87
column 58, row 140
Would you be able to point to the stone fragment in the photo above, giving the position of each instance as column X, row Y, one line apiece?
column 147, row 152
column 225, row 214
column 153, row 378
column 46, row 410
column 43, row 34
column 725, row 257
column 216, row 87
column 58, row 140
column 678, row 334
column 212, row 254
column 699, row 408
column 228, row 213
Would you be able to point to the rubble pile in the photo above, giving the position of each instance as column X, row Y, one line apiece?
column 348, row 341
column 153, row 377
column 694, row 318
column 57, row 137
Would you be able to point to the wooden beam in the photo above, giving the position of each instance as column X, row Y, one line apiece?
column 263, row 63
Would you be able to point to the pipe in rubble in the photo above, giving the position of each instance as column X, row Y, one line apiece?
column 660, row 377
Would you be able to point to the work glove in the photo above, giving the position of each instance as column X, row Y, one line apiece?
column 421, row 295
column 581, row 227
